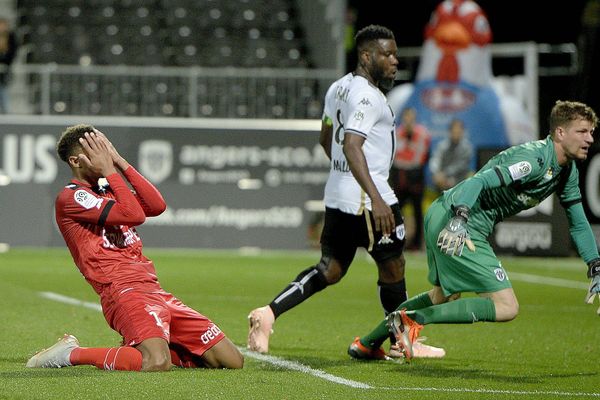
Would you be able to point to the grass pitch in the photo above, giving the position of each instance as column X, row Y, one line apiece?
column 549, row 351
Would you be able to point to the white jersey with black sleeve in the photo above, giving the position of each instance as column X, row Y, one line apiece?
column 356, row 107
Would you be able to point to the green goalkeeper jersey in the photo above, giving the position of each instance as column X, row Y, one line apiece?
column 520, row 178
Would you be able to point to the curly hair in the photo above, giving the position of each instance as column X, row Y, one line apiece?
column 69, row 140
column 370, row 33
column 564, row 112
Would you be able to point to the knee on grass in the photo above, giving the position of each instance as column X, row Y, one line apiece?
column 223, row 355
column 156, row 362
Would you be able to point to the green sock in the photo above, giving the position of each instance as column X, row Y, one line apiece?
column 461, row 311
column 377, row 336
column 375, row 339
column 417, row 302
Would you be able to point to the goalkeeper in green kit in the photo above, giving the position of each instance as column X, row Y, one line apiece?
column 458, row 223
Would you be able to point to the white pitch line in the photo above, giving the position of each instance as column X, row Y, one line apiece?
column 545, row 280
column 70, row 300
column 493, row 391
column 296, row 366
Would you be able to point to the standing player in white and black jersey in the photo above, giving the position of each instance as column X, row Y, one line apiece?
column 357, row 133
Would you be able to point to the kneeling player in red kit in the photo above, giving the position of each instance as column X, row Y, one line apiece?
column 98, row 225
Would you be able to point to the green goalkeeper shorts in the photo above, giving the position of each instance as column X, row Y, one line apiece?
column 479, row 271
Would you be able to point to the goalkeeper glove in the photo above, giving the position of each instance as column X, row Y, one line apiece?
column 594, row 289
column 454, row 236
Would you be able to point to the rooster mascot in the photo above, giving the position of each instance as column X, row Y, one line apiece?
column 454, row 80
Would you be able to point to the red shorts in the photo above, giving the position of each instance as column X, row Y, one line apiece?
column 138, row 316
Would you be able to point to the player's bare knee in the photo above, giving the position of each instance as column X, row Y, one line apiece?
column 436, row 295
column 156, row 363
column 506, row 315
column 331, row 270
column 391, row 270
column 513, row 311
column 507, row 311
column 332, row 277
column 232, row 360
column 225, row 357
column 236, row 361
column 453, row 297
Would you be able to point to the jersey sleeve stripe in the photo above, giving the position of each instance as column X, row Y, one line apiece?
column 502, row 181
column 356, row 132
column 105, row 212
column 570, row 203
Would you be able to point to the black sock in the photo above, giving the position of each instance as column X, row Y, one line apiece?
column 391, row 296
column 307, row 283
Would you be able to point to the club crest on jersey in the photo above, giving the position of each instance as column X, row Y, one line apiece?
column 500, row 274
column 400, row 232
column 519, row 170
column 86, row 199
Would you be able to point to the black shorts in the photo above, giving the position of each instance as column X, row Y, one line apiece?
column 343, row 233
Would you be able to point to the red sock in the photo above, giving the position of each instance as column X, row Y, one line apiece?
column 113, row 358
column 183, row 362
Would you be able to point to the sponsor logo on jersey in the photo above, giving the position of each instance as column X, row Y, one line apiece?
column 519, row 170
column 540, row 161
column 549, row 174
column 87, row 200
column 500, row 274
column 527, row 201
column 359, row 115
column 365, row 102
column 116, row 237
column 211, row 333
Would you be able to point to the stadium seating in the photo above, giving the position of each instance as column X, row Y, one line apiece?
column 252, row 33
column 164, row 33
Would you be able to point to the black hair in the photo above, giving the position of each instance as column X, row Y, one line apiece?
column 370, row 33
column 69, row 140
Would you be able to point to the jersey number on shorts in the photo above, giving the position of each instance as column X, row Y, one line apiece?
column 156, row 318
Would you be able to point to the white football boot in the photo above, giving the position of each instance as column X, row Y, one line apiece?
column 56, row 356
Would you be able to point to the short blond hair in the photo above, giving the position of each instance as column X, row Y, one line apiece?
column 564, row 112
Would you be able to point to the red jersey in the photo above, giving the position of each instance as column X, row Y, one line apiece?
column 411, row 150
column 98, row 226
